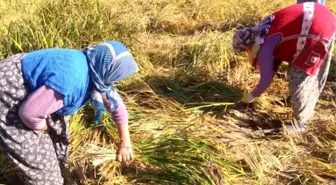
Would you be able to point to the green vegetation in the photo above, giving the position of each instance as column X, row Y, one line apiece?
column 184, row 124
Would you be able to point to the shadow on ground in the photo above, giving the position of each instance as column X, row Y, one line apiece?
column 207, row 95
column 210, row 96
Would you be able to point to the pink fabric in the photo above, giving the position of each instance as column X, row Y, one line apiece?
column 45, row 101
column 120, row 115
column 41, row 103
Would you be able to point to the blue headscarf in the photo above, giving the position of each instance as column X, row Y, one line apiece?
column 109, row 62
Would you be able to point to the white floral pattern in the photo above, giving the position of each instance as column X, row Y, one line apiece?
column 39, row 157
column 308, row 9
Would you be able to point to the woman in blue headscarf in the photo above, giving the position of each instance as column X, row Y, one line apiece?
column 37, row 91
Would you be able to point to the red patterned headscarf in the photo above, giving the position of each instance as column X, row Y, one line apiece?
column 250, row 36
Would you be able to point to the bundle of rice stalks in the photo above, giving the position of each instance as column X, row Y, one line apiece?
column 170, row 156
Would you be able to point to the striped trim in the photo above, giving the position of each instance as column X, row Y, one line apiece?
column 116, row 57
column 324, row 40
column 308, row 10
column 125, row 53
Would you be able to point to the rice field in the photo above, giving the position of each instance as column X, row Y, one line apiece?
column 185, row 122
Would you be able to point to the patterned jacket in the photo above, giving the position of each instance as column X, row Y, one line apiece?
column 306, row 33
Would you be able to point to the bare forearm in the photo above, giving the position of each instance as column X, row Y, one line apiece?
column 124, row 135
column 125, row 152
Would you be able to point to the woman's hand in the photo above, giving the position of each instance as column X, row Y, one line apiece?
column 247, row 98
column 125, row 153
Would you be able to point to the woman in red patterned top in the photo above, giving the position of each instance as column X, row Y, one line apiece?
column 302, row 35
